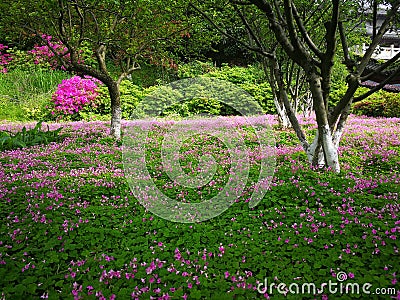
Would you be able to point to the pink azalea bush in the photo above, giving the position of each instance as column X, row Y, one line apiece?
column 43, row 54
column 5, row 58
column 75, row 93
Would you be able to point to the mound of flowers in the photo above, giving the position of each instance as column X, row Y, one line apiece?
column 75, row 93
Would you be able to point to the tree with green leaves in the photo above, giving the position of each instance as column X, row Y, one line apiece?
column 313, row 49
column 125, row 32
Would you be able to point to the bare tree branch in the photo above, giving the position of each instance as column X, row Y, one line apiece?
column 305, row 34
column 381, row 68
column 245, row 45
column 347, row 59
column 249, row 29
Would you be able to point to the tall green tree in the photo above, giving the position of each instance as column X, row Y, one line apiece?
column 127, row 32
column 314, row 49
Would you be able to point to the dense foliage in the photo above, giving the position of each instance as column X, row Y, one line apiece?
column 381, row 104
column 71, row 227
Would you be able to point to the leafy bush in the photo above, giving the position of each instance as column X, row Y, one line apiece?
column 251, row 79
column 20, row 61
column 194, row 106
column 194, row 69
column 40, row 56
column 380, row 104
column 26, row 138
column 131, row 94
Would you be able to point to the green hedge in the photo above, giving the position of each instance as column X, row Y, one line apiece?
column 380, row 104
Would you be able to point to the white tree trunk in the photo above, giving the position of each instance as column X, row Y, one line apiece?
column 282, row 115
column 116, row 122
column 311, row 151
column 328, row 154
column 330, row 151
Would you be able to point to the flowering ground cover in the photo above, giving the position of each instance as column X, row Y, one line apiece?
column 71, row 228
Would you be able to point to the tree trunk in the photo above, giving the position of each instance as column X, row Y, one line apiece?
column 116, row 112
column 324, row 137
column 282, row 114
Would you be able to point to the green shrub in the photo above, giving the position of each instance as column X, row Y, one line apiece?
column 31, row 137
column 21, row 60
column 252, row 80
column 194, row 69
column 380, row 104
column 131, row 94
column 10, row 109
column 392, row 104
column 195, row 106
column 339, row 89
column 262, row 92
column 239, row 75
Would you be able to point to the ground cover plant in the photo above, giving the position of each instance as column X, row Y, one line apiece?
column 71, row 228
column 30, row 137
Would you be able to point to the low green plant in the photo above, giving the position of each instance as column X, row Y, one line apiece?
column 380, row 104
column 251, row 79
column 25, row 94
column 29, row 137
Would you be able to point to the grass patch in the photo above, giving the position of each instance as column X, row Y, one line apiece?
column 24, row 94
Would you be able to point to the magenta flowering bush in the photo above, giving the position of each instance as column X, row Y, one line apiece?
column 5, row 58
column 44, row 55
column 75, row 93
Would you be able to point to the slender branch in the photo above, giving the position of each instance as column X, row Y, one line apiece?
column 291, row 28
column 353, row 84
column 305, row 34
column 96, row 28
column 374, row 43
column 280, row 33
column 70, row 26
column 245, row 45
column 374, row 18
column 347, row 59
column 61, row 19
column 289, row 110
column 249, row 29
column 81, row 21
column 278, row 12
column 331, row 32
